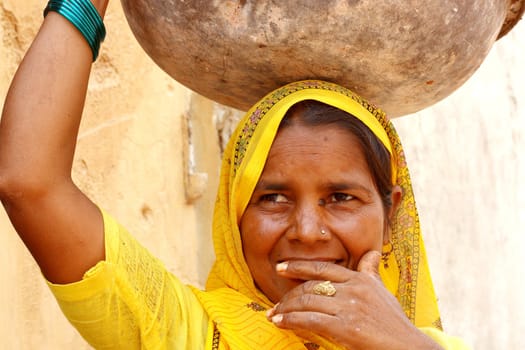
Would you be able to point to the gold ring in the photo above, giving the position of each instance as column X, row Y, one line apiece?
column 325, row 288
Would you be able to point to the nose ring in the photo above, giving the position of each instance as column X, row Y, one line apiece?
column 323, row 231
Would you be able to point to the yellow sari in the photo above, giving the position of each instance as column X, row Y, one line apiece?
column 233, row 303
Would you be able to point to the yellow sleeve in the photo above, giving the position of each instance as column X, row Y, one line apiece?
column 130, row 300
column 446, row 341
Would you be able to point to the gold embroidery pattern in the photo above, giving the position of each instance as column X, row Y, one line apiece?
column 406, row 231
column 255, row 306
column 437, row 323
column 216, row 338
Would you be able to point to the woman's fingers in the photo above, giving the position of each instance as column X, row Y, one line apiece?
column 339, row 277
column 321, row 323
column 301, row 302
column 369, row 263
column 333, row 298
column 314, row 273
column 337, row 319
column 314, row 270
column 361, row 314
column 328, row 271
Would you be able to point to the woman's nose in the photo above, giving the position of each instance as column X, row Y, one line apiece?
column 308, row 224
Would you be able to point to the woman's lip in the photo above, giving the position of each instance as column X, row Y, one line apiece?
column 329, row 260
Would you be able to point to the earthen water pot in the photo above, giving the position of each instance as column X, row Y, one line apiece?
column 401, row 55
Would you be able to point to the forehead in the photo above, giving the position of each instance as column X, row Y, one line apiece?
column 328, row 149
column 315, row 137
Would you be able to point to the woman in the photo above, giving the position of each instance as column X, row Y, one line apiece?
column 309, row 197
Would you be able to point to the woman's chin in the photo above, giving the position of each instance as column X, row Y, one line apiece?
column 284, row 286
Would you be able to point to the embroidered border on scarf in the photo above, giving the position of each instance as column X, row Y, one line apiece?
column 216, row 338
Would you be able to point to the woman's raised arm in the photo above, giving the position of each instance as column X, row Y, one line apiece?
column 61, row 227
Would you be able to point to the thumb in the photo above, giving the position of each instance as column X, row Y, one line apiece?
column 369, row 263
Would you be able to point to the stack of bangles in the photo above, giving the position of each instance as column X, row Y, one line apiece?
column 85, row 17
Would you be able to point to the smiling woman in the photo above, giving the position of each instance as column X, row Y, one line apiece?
column 316, row 200
column 314, row 186
column 304, row 210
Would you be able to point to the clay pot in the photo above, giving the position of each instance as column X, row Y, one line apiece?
column 401, row 55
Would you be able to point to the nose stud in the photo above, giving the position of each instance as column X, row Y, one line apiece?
column 323, row 231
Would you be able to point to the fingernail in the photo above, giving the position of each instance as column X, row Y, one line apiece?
column 271, row 311
column 281, row 267
column 277, row 318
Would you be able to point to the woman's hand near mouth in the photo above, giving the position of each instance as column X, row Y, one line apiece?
column 362, row 314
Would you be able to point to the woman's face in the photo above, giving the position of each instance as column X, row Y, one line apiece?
column 315, row 178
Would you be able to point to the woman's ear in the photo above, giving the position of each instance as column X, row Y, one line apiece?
column 397, row 195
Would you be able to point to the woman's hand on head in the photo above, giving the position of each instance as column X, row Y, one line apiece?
column 362, row 314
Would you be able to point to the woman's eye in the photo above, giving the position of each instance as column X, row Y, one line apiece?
column 340, row 197
column 274, row 197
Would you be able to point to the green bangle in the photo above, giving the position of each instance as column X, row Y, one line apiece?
column 85, row 17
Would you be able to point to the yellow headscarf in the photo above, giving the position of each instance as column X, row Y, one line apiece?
column 233, row 303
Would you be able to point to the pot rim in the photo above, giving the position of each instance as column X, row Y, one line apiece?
column 514, row 15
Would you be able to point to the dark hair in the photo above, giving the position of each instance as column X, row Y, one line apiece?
column 315, row 113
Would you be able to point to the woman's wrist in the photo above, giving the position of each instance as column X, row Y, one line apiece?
column 85, row 16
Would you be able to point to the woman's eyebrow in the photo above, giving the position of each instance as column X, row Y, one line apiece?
column 345, row 186
column 266, row 185
column 270, row 186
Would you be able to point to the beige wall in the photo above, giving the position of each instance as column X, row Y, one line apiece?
column 129, row 160
column 467, row 157
column 137, row 158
